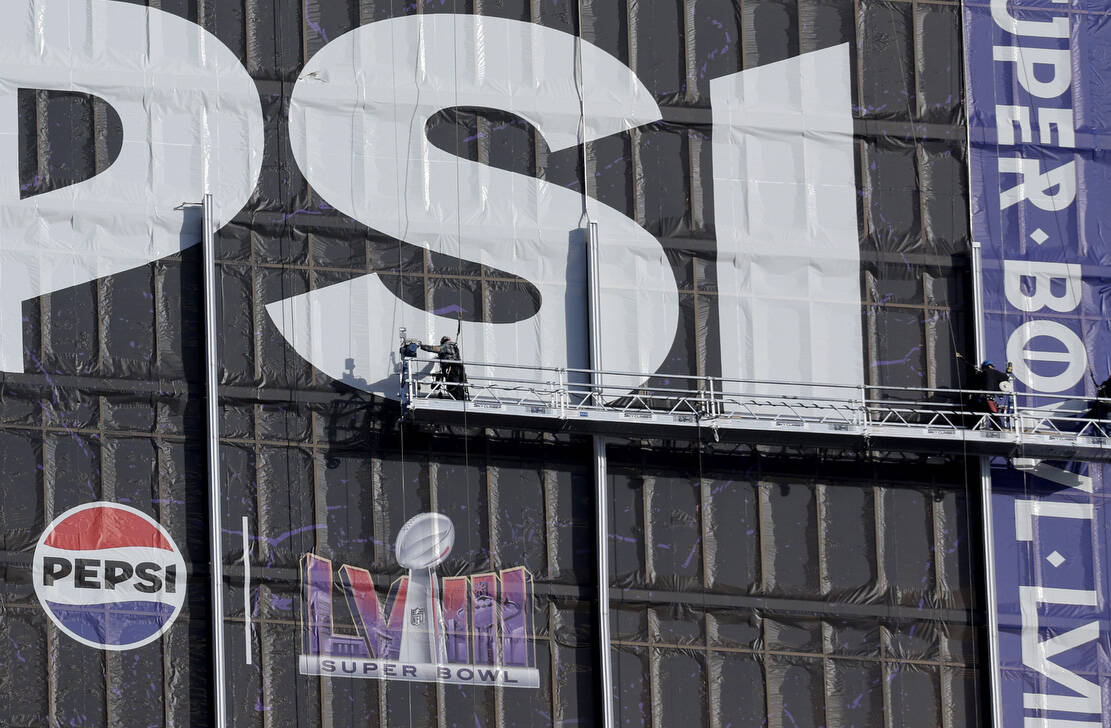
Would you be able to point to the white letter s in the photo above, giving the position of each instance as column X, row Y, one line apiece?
column 357, row 126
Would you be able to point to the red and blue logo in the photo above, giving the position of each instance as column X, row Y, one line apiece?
column 109, row 576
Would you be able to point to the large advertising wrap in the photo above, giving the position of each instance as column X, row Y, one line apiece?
column 1039, row 119
column 779, row 194
column 358, row 118
column 788, row 252
column 459, row 630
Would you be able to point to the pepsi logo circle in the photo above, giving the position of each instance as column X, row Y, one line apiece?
column 109, row 576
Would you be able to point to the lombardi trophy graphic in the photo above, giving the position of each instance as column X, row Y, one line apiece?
column 425, row 541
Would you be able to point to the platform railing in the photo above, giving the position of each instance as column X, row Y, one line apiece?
column 718, row 401
column 1019, row 412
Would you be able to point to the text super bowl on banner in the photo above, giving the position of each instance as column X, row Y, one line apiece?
column 1039, row 107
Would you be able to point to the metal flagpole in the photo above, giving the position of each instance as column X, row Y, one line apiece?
column 987, row 521
column 215, row 498
column 600, row 480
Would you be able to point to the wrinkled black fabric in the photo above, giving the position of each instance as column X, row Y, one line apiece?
column 749, row 588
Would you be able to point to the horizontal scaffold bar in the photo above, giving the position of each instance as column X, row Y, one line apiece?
column 818, row 414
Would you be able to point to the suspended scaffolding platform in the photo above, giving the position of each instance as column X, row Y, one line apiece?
column 625, row 404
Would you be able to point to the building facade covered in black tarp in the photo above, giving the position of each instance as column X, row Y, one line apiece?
column 750, row 585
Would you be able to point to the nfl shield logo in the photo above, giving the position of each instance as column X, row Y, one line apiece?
column 416, row 616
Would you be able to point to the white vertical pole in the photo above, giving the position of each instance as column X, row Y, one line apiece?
column 987, row 523
column 215, row 498
column 602, row 517
column 600, row 480
column 246, row 591
column 990, row 597
column 978, row 301
column 594, row 284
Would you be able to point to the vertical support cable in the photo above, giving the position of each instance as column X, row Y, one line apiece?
column 215, row 498
column 601, row 514
column 987, row 521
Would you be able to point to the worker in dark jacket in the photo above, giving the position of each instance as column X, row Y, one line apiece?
column 1099, row 409
column 986, row 378
column 453, row 374
column 991, row 378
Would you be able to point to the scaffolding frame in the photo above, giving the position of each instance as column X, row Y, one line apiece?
column 761, row 411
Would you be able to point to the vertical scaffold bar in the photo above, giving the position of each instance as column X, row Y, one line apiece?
column 987, row 520
column 978, row 300
column 215, row 497
column 990, row 599
column 602, row 516
column 595, row 299
column 562, row 397
column 600, row 479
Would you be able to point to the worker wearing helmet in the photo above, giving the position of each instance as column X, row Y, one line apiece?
column 451, row 373
column 991, row 379
column 986, row 380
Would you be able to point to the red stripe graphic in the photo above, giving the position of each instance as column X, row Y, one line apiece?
column 105, row 528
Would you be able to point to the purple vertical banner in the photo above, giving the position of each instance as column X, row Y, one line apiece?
column 1039, row 114
column 457, row 618
column 517, row 616
column 485, row 618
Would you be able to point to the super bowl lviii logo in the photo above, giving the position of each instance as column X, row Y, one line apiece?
column 474, row 630
column 109, row 576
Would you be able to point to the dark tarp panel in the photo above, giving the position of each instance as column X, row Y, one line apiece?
column 749, row 588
